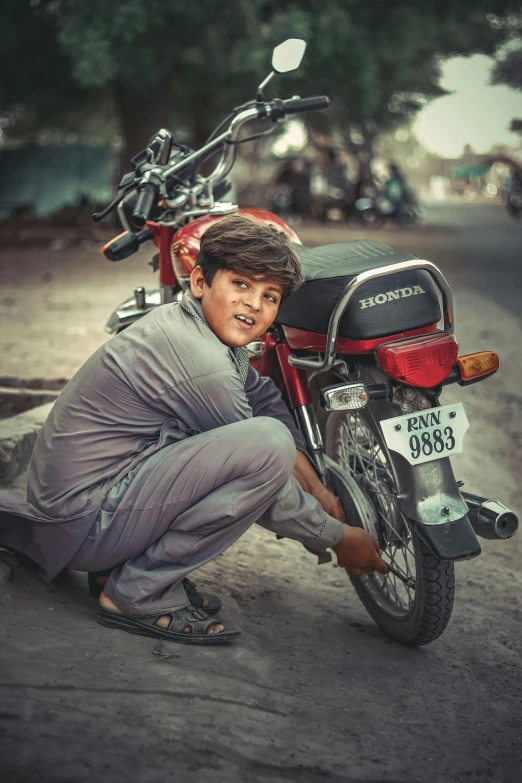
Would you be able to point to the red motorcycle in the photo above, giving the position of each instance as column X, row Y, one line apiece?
column 361, row 357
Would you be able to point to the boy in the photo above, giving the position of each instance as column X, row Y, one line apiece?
column 166, row 446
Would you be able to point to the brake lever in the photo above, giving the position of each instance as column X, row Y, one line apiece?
column 97, row 216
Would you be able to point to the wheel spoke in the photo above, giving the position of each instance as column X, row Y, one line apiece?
column 405, row 543
column 360, row 451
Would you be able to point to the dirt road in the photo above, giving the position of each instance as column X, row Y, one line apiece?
column 312, row 692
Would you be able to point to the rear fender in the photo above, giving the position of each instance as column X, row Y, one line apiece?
column 429, row 497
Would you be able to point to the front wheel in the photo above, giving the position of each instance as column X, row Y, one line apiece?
column 413, row 616
column 371, row 219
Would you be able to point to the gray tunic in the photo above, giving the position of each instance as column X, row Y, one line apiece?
column 165, row 378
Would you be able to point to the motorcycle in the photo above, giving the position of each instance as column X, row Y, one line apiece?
column 373, row 211
column 359, row 357
column 513, row 201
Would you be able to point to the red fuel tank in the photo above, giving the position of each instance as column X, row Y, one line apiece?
column 185, row 242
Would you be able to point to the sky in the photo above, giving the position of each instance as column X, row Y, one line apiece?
column 476, row 113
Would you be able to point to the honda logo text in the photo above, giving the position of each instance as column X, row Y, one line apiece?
column 399, row 293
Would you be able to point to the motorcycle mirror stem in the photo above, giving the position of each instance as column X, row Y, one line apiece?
column 260, row 95
column 285, row 58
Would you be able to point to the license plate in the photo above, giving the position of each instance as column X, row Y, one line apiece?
column 431, row 434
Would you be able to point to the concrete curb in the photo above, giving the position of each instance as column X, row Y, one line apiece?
column 17, row 438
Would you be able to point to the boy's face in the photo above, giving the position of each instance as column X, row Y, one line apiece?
column 237, row 308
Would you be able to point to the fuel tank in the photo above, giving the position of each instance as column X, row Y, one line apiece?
column 185, row 242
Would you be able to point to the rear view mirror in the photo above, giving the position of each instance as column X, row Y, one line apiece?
column 159, row 147
column 288, row 55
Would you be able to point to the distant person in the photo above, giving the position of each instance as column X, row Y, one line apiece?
column 513, row 191
column 301, row 202
column 292, row 197
column 514, row 179
column 395, row 187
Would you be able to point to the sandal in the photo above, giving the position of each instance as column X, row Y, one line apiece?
column 197, row 620
column 195, row 597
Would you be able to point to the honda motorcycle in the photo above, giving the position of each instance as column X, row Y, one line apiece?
column 361, row 352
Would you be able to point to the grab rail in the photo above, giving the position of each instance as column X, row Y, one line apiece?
column 327, row 363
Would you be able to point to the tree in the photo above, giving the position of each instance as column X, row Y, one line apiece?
column 154, row 63
column 37, row 90
column 162, row 60
column 508, row 69
column 381, row 61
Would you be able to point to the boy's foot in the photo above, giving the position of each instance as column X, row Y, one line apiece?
column 211, row 605
column 163, row 621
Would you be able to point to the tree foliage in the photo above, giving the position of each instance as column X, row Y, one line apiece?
column 170, row 62
column 508, row 69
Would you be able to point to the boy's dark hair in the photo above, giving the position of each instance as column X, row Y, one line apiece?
column 250, row 248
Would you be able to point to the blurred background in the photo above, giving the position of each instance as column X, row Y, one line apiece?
column 422, row 143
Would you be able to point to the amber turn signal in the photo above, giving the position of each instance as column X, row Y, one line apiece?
column 474, row 365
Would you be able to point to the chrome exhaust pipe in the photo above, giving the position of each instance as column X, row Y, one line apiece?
column 490, row 518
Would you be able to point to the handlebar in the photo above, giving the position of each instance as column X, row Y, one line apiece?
column 144, row 205
column 273, row 110
column 148, row 194
column 154, row 181
column 298, row 105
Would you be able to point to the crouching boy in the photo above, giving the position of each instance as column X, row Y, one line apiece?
column 166, row 446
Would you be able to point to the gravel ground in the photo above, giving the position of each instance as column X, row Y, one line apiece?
column 312, row 691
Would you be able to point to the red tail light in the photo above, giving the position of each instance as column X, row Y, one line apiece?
column 419, row 361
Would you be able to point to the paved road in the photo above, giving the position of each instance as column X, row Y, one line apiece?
column 312, row 692
column 488, row 243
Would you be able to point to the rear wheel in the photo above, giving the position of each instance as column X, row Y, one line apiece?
column 413, row 616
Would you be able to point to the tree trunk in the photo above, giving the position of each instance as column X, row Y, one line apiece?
column 140, row 115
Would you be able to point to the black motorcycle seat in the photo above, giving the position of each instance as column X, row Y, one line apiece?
column 347, row 259
column 393, row 304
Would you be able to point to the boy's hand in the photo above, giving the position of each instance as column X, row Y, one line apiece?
column 309, row 481
column 329, row 503
column 359, row 551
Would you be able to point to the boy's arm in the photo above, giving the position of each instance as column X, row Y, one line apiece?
column 265, row 400
column 206, row 402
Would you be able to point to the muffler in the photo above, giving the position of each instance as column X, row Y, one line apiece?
column 490, row 518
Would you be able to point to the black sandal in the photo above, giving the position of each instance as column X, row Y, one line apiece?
column 197, row 620
column 194, row 596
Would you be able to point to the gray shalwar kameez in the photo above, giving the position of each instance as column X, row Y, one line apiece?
column 155, row 459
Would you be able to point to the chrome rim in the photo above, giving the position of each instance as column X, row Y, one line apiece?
column 359, row 451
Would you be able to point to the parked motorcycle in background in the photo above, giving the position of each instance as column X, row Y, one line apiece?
column 360, row 355
column 392, row 200
column 513, row 193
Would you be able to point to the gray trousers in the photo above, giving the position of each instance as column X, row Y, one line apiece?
column 187, row 503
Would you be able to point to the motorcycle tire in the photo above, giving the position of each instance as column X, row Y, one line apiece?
column 416, row 616
column 371, row 219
